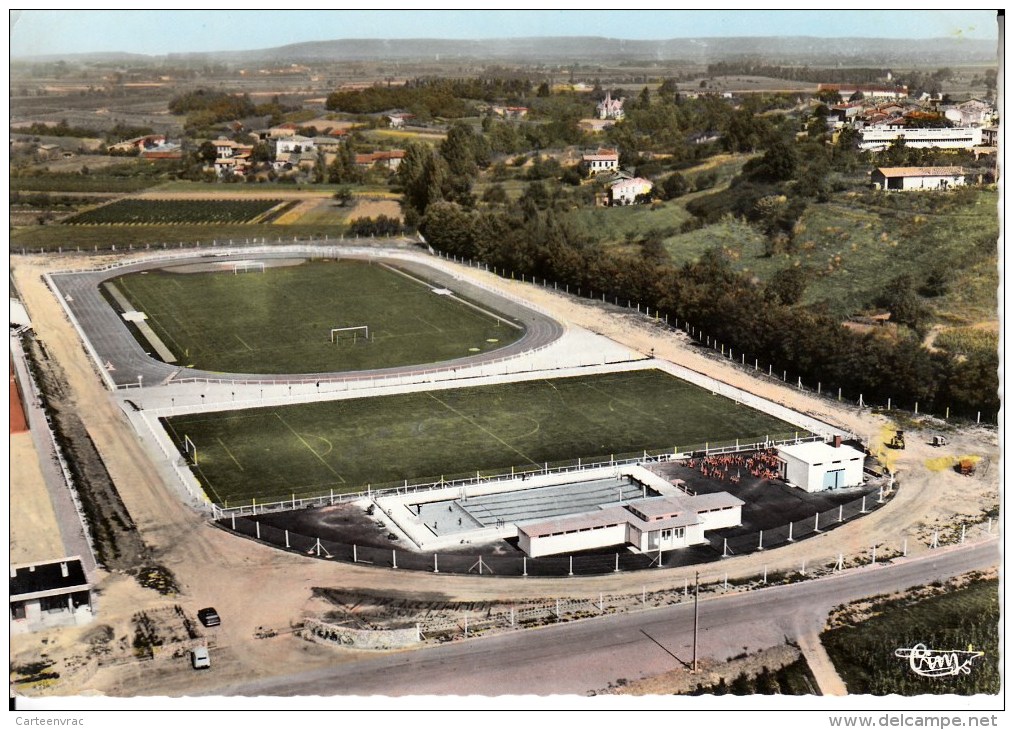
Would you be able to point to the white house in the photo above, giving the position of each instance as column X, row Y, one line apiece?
column 626, row 192
column 971, row 113
column 295, row 143
column 610, row 108
column 816, row 466
column 655, row 523
column 880, row 137
column 603, row 160
column 918, row 178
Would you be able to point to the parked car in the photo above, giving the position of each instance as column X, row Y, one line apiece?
column 199, row 658
column 209, row 617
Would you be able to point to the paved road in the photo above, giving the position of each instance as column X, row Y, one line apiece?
column 585, row 656
column 114, row 344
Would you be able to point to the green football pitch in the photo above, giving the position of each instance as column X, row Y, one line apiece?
column 279, row 320
column 271, row 454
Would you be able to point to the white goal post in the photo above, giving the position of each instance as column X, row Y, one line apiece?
column 363, row 329
column 243, row 266
column 189, row 447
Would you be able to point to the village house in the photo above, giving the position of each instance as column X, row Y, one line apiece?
column 602, row 160
column 138, row 143
column 971, row 113
column 391, row 159
column 510, row 112
column 628, row 192
column 918, row 178
column 397, row 120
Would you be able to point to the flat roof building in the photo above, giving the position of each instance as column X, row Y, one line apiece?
column 655, row 523
column 49, row 594
column 816, row 466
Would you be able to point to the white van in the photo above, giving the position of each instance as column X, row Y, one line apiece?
column 200, row 658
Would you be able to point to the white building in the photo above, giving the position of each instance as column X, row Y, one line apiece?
column 601, row 161
column 880, row 138
column 626, row 192
column 656, row 523
column 295, row 143
column 816, row 466
column 918, row 178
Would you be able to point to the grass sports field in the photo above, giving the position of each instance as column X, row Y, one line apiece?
column 308, row 449
column 280, row 320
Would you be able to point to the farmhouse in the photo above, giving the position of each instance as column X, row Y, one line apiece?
column 49, row 594
column 397, row 120
column 138, row 143
column 918, row 178
column 628, row 192
column 656, row 523
column 604, row 160
column 391, row 159
column 816, row 466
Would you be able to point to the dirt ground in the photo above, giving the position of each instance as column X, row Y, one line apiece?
column 254, row 586
column 34, row 533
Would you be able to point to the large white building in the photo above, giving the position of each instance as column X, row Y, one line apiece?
column 626, row 192
column 876, row 139
column 816, row 466
column 656, row 523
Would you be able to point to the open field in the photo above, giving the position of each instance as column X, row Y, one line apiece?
column 76, row 183
column 280, row 320
column 273, row 453
column 952, row 621
column 174, row 212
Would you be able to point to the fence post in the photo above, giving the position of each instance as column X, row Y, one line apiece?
column 760, row 543
column 394, row 559
column 790, row 532
column 435, row 568
column 257, row 523
column 617, row 568
column 286, row 538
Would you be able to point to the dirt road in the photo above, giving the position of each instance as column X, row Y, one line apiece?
column 253, row 585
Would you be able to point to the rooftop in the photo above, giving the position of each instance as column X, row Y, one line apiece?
column 919, row 171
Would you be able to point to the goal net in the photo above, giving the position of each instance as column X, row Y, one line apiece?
column 243, row 266
column 350, row 333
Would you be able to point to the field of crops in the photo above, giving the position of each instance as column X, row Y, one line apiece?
column 174, row 212
column 956, row 621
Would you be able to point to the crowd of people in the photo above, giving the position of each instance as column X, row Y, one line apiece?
column 731, row 467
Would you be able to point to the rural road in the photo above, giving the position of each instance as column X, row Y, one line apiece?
column 585, row 656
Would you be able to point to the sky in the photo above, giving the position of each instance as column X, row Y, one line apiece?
column 158, row 32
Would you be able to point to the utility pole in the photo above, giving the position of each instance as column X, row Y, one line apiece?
column 697, row 584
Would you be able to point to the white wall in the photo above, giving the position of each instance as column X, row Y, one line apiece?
column 730, row 517
column 572, row 542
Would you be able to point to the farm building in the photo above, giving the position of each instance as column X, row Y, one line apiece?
column 816, row 466
column 656, row 523
column 627, row 192
column 49, row 594
column 918, row 178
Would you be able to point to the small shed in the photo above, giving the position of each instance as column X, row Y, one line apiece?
column 816, row 466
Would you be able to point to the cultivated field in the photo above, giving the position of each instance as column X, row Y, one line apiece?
column 953, row 620
column 172, row 212
column 280, row 319
column 273, row 453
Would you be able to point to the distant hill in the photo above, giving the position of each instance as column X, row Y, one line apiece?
column 799, row 49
